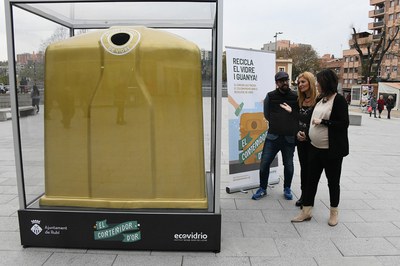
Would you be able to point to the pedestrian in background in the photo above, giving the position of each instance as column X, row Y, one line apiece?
column 35, row 95
column 307, row 96
column 381, row 105
column 282, row 130
column 373, row 103
column 389, row 105
column 329, row 144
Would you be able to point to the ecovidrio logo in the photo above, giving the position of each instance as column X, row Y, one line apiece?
column 192, row 236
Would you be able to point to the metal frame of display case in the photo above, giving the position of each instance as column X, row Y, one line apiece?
column 161, row 229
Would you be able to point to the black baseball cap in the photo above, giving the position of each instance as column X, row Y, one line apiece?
column 281, row 75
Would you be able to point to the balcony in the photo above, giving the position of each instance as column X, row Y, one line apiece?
column 375, row 2
column 377, row 13
column 376, row 36
column 361, row 41
column 375, row 25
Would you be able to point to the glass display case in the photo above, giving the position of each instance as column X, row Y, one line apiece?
column 116, row 113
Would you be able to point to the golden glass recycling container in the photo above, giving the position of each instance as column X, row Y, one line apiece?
column 124, row 121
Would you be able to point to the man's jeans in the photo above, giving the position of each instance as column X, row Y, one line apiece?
column 273, row 144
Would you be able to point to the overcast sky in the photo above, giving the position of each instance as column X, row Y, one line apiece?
column 325, row 24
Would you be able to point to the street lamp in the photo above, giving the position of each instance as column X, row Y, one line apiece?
column 276, row 39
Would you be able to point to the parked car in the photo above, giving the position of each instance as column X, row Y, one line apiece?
column 3, row 88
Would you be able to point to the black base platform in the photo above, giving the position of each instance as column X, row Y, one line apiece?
column 120, row 230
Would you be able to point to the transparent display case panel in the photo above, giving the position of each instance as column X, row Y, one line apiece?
column 128, row 122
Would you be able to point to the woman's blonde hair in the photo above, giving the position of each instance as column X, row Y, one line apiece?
column 311, row 81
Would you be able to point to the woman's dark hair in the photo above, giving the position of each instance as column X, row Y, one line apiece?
column 328, row 81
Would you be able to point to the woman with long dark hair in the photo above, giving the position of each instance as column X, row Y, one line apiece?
column 329, row 144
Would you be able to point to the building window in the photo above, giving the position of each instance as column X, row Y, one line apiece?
column 346, row 70
column 391, row 17
column 388, row 69
column 351, row 59
column 281, row 69
column 355, row 94
column 346, row 81
column 392, row 3
column 356, row 70
column 394, row 69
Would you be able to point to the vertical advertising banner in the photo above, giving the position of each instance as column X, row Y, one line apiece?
column 366, row 94
column 250, row 76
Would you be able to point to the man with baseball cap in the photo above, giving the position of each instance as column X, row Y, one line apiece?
column 282, row 130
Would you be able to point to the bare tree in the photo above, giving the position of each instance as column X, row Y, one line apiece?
column 371, row 60
column 304, row 57
column 61, row 33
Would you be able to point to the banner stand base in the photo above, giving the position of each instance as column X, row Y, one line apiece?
column 244, row 187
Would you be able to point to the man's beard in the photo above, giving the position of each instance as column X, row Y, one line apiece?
column 284, row 88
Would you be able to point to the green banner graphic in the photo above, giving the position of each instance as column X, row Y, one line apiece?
column 105, row 231
column 244, row 141
column 132, row 237
column 243, row 156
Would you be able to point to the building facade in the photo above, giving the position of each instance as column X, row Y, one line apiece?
column 386, row 17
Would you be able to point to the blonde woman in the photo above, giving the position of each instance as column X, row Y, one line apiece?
column 307, row 97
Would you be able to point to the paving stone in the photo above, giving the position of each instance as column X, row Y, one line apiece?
column 365, row 247
column 234, row 261
column 262, row 204
column 358, row 261
column 379, row 215
column 228, row 204
column 23, row 258
column 282, row 261
column 7, row 210
column 394, row 195
column 10, row 241
column 389, row 260
column 279, row 216
column 306, row 248
column 9, row 224
column 244, row 247
column 383, row 204
column 373, row 229
column 395, row 241
column 273, row 230
column 79, row 259
column 231, row 229
column 309, row 230
column 253, row 216
column 147, row 260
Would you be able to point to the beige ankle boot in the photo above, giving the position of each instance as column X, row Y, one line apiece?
column 333, row 219
column 305, row 215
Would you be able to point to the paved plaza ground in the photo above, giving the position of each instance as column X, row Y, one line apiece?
column 260, row 232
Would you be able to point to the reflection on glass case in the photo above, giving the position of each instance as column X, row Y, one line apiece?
column 124, row 150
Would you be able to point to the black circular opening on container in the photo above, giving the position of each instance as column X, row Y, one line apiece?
column 120, row 38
